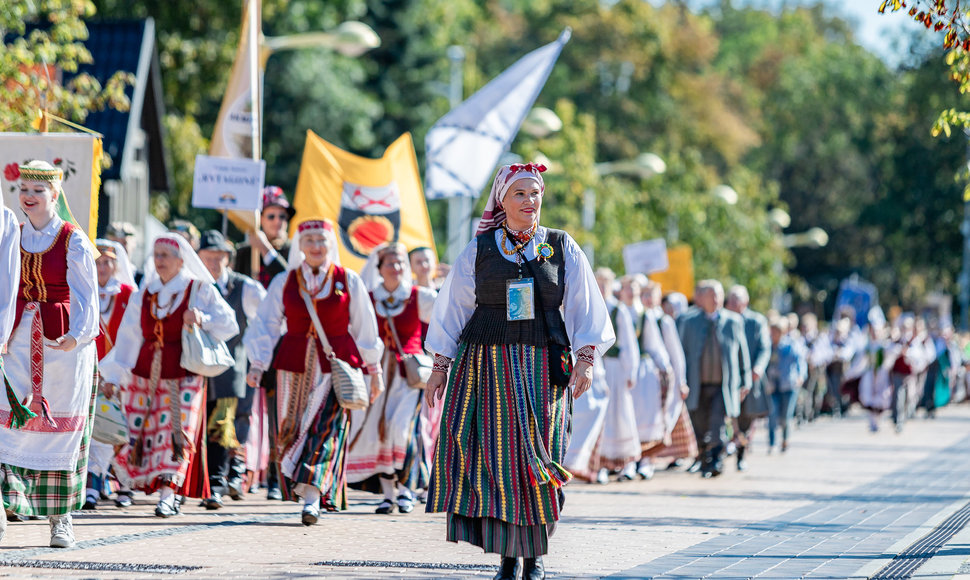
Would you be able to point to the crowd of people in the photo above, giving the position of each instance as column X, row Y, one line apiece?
column 539, row 370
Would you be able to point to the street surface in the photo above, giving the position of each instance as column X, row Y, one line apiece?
column 841, row 503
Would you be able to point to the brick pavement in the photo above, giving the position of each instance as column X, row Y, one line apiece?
column 837, row 502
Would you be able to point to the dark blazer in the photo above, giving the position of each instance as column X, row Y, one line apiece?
column 266, row 274
column 735, row 360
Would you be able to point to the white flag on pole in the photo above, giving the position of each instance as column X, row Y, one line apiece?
column 464, row 146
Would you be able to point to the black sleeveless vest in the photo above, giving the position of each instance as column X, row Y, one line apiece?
column 232, row 383
column 489, row 324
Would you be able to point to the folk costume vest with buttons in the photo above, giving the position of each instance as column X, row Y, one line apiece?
column 489, row 323
column 232, row 383
column 408, row 326
column 109, row 330
column 164, row 333
column 43, row 279
column 334, row 313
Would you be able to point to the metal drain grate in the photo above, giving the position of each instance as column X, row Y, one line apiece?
column 909, row 560
column 99, row 566
column 412, row 565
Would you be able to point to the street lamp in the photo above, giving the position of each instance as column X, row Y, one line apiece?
column 541, row 122
column 814, row 237
column 351, row 39
column 726, row 193
column 644, row 166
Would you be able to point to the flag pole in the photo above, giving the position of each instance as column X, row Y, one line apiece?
column 255, row 24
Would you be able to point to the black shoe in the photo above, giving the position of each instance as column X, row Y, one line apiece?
column 532, row 569
column 164, row 510
column 274, row 494
column 90, row 503
column 675, row 464
column 235, row 490
column 386, row 507
column 214, row 502
column 405, row 504
column 123, row 499
column 508, row 569
column 694, row 467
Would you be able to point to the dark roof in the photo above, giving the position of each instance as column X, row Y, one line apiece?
column 126, row 45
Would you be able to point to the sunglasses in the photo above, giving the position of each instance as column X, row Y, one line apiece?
column 276, row 216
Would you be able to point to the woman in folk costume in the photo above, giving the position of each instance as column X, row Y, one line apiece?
column 653, row 391
column 516, row 299
column 678, row 441
column 313, row 427
column 45, row 421
column 619, row 441
column 386, row 438
column 589, row 412
column 9, row 263
column 163, row 402
column 116, row 284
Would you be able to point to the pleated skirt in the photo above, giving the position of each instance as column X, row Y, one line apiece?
column 498, row 470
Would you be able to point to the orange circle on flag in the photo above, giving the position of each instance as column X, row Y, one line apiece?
column 369, row 231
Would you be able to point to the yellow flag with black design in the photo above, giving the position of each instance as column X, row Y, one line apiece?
column 372, row 201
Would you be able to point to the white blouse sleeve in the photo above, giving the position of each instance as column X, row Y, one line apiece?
column 455, row 304
column 265, row 330
column 253, row 294
column 10, row 266
column 218, row 319
column 653, row 344
column 675, row 350
column 426, row 298
column 116, row 366
column 627, row 338
column 82, row 279
column 585, row 313
column 363, row 321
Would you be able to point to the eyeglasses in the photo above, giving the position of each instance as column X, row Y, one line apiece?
column 276, row 216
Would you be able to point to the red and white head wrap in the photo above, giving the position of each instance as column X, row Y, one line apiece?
column 192, row 265
column 494, row 213
column 321, row 226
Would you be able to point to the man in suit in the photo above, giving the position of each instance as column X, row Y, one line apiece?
column 756, row 332
column 718, row 369
column 271, row 241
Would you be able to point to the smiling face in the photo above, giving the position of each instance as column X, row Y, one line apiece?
column 37, row 200
column 316, row 249
column 167, row 262
column 273, row 222
column 106, row 266
column 522, row 204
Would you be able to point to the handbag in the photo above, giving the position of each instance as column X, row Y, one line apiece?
column 417, row 367
column 560, row 355
column 110, row 426
column 202, row 354
column 348, row 382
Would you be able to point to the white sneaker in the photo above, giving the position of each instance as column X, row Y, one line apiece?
column 310, row 515
column 645, row 470
column 603, row 477
column 62, row 531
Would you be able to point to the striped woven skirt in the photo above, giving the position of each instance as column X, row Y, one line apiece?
column 312, row 439
column 33, row 492
column 498, row 473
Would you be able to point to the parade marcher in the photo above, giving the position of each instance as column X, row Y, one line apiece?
column 187, row 230
column 678, row 440
column 755, row 405
column 674, row 305
column 116, row 284
column 875, row 387
column 910, row 359
column 655, row 391
column 273, row 244
column 313, row 427
column 230, row 401
column 589, row 412
column 518, row 296
column 124, row 233
column 162, row 401
column 786, row 372
column 386, row 448
column 428, row 273
column 47, row 416
column 718, row 370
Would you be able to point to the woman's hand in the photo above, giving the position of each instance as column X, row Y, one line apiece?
column 254, row 377
column 192, row 316
column 684, row 392
column 65, row 343
column 108, row 390
column 435, row 388
column 581, row 378
column 376, row 381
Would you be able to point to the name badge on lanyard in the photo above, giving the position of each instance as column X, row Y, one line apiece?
column 520, row 299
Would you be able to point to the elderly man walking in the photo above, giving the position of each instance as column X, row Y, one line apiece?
column 718, row 370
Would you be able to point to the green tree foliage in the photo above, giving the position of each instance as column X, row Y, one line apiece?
column 43, row 40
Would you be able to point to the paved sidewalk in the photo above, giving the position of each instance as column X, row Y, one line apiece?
column 841, row 503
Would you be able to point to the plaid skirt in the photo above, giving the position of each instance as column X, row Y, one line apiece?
column 499, row 472
column 30, row 492
column 683, row 442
